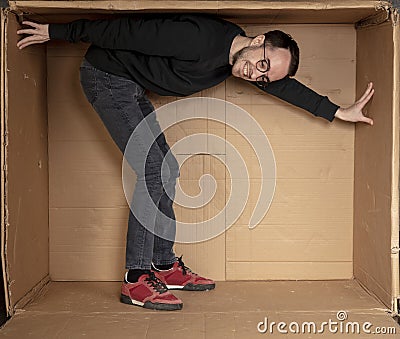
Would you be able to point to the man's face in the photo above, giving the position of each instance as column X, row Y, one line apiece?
column 245, row 60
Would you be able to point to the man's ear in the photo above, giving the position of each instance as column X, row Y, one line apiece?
column 258, row 40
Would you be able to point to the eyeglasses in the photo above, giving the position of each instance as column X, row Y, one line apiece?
column 263, row 66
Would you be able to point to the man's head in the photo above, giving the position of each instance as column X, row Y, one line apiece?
column 281, row 53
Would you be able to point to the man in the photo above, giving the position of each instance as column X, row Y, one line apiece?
column 178, row 55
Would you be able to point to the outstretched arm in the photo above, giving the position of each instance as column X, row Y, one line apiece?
column 297, row 94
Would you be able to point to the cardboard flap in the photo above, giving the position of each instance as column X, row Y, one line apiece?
column 374, row 174
column 256, row 11
column 27, row 165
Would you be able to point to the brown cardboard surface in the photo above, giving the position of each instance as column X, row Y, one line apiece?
column 292, row 270
column 373, row 164
column 34, row 293
column 88, row 212
column 307, row 231
column 232, row 310
column 27, row 166
column 87, row 243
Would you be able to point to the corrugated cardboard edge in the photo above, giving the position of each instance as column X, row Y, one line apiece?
column 4, row 213
column 185, row 4
column 395, row 241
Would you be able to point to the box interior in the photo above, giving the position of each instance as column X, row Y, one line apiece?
column 334, row 211
column 232, row 310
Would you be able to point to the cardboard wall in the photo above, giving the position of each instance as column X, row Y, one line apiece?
column 87, row 209
column 27, row 250
column 373, row 164
column 307, row 233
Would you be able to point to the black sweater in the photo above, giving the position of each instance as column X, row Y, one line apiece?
column 175, row 54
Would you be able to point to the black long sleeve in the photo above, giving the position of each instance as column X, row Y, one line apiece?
column 295, row 93
column 166, row 36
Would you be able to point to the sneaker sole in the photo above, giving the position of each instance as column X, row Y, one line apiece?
column 191, row 287
column 148, row 304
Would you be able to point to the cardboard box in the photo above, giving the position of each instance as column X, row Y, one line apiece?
column 335, row 213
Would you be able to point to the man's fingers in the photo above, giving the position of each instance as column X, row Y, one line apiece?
column 367, row 120
column 366, row 93
column 30, row 23
column 31, row 40
column 29, row 43
column 367, row 98
column 25, row 45
column 27, row 31
column 26, row 40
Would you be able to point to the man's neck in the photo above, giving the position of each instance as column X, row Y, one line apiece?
column 238, row 43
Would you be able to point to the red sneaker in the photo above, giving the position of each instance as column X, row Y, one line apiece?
column 149, row 292
column 180, row 277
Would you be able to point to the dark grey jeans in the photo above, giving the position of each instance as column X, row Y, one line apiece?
column 122, row 105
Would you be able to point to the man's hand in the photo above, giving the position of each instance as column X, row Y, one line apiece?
column 354, row 112
column 38, row 34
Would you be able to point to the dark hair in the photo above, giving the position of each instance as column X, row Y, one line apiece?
column 279, row 39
